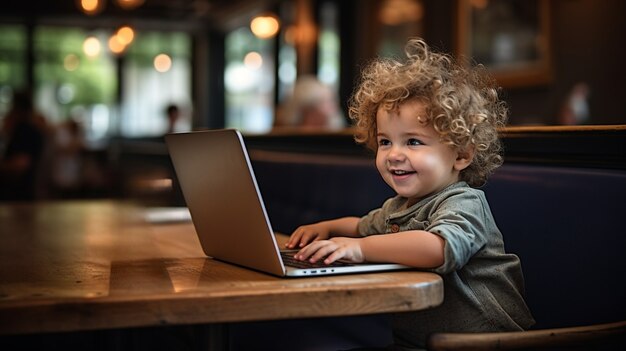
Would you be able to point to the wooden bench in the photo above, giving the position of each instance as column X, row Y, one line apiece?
column 560, row 212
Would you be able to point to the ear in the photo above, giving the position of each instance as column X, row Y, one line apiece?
column 464, row 158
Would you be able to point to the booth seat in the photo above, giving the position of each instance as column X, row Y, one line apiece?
column 565, row 223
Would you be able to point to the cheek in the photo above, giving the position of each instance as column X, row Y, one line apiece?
column 430, row 162
column 380, row 162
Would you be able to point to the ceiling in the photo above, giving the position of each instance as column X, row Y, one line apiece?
column 220, row 13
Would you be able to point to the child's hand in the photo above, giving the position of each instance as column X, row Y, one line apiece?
column 334, row 249
column 306, row 234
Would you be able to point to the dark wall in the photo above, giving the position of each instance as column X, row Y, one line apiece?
column 587, row 46
column 587, row 39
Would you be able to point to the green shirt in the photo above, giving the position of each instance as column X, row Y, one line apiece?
column 483, row 285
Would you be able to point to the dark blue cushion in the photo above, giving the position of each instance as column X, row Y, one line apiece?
column 318, row 188
column 565, row 223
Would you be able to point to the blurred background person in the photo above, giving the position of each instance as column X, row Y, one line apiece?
column 24, row 136
column 172, row 112
column 312, row 105
column 575, row 109
column 67, row 164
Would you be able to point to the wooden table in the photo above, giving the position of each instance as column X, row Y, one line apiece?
column 90, row 265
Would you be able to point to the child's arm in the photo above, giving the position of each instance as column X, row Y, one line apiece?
column 345, row 226
column 416, row 248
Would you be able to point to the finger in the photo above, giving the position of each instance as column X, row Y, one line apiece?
column 299, row 238
column 309, row 250
column 308, row 237
column 293, row 239
column 338, row 254
column 324, row 250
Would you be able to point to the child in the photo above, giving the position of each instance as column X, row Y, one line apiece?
column 433, row 125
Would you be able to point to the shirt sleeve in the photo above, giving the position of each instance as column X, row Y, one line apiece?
column 375, row 221
column 460, row 220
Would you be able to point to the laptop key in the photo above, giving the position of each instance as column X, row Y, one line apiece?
column 289, row 260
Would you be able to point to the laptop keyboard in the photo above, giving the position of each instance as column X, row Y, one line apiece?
column 289, row 260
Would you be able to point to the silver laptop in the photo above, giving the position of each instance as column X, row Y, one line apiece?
column 227, row 210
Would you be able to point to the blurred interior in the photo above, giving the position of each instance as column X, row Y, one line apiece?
column 103, row 72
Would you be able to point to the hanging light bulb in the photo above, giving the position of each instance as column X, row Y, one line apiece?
column 71, row 62
column 162, row 63
column 129, row 4
column 116, row 45
column 120, row 40
column 265, row 26
column 125, row 35
column 91, row 46
column 253, row 60
column 90, row 7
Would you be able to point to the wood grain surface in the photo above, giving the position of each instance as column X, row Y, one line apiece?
column 86, row 265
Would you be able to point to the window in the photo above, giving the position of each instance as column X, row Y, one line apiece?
column 72, row 82
column 150, row 85
column 12, row 63
column 329, row 46
column 249, row 81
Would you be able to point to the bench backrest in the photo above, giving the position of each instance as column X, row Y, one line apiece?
column 565, row 223
column 567, row 227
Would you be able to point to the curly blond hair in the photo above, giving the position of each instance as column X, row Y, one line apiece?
column 461, row 101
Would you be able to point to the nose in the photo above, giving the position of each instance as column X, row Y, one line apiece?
column 396, row 154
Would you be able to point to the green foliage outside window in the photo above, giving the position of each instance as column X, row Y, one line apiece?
column 149, row 44
column 94, row 79
column 12, row 63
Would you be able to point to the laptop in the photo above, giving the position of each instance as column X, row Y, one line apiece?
column 227, row 209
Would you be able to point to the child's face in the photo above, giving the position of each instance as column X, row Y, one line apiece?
column 410, row 156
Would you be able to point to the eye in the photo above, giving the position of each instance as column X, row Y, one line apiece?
column 413, row 142
column 383, row 142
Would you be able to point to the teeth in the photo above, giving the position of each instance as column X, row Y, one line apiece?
column 400, row 172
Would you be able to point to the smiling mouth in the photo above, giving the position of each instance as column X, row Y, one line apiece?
column 401, row 172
